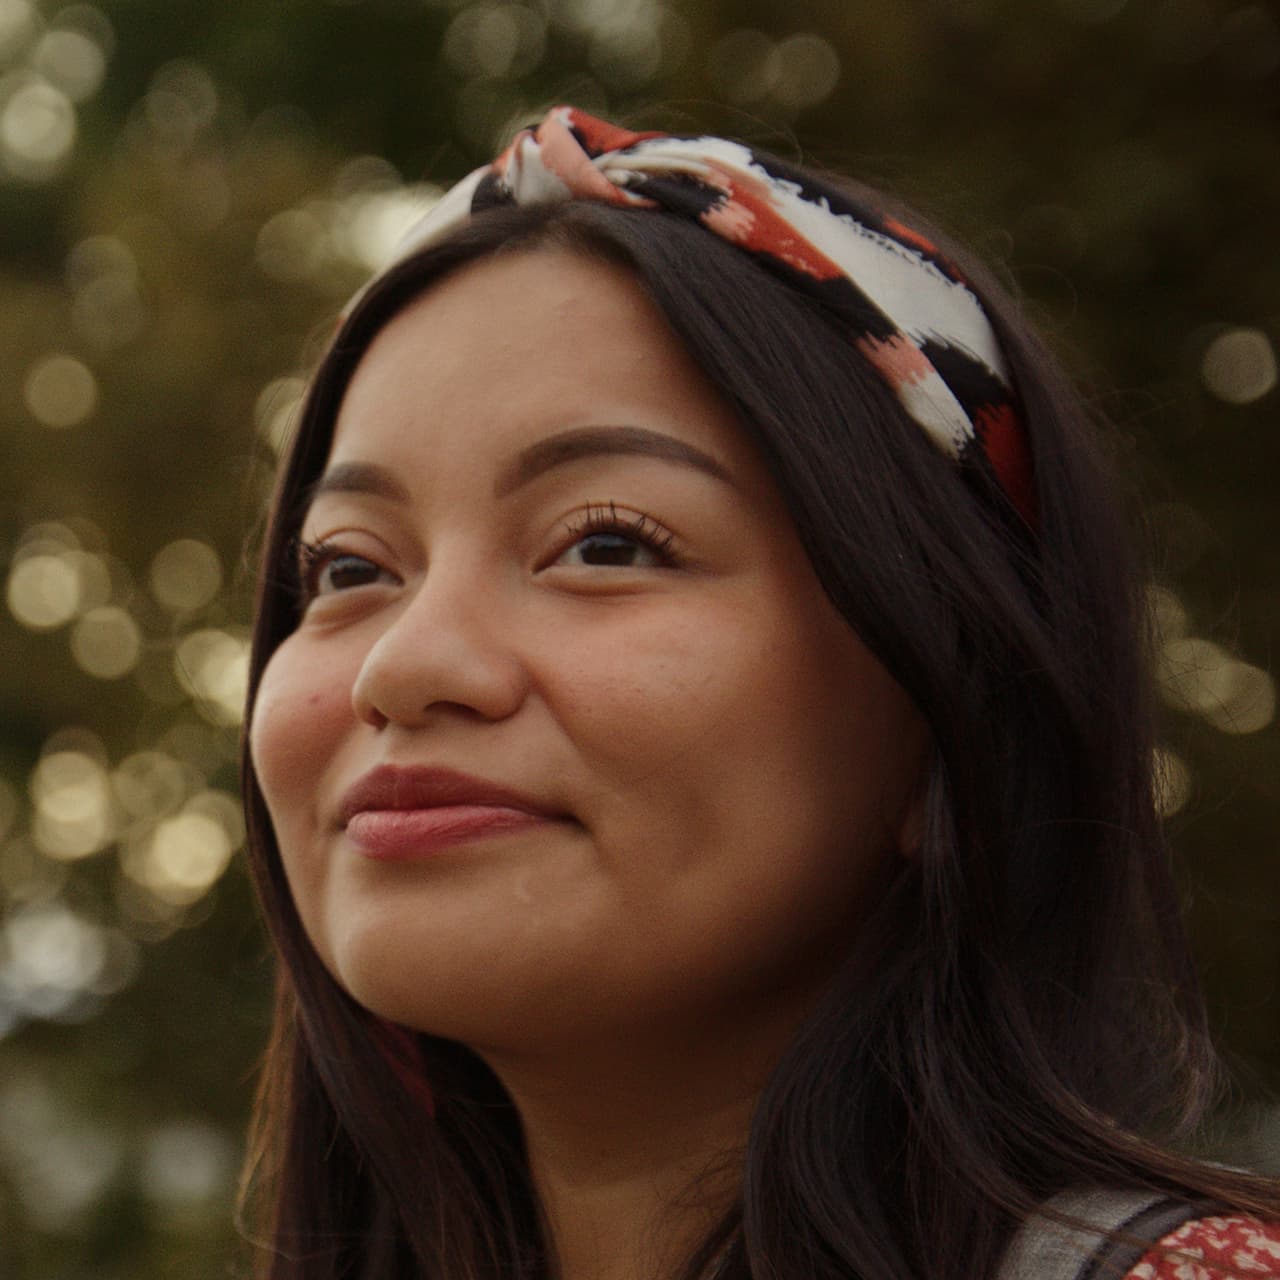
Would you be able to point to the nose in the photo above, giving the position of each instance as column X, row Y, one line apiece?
column 448, row 645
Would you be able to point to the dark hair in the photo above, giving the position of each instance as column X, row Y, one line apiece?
column 1018, row 1015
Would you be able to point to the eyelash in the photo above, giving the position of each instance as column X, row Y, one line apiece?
column 640, row 528
column 310, row 558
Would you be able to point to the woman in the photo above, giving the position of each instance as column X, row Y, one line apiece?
column 699, row 764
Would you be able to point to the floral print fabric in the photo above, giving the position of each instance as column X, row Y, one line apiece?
column 1213, row 1249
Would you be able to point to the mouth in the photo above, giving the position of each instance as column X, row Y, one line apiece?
column 396, row 814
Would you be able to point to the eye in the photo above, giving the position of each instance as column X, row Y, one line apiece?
column 603, row 537
column 324, row 568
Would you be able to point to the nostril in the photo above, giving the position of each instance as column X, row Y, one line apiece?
column 365, row 708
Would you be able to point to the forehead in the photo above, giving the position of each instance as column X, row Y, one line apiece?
column 522, row 345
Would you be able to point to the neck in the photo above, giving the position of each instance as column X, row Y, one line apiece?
column 633, row 1161
column 634, row 1214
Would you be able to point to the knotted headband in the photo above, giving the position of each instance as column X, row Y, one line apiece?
column 906, row 308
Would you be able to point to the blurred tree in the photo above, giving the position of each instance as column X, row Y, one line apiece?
column 187, row 194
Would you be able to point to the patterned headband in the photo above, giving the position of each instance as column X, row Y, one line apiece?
column 907, row 309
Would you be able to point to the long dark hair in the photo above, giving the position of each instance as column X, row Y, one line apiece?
column 1020, row 1012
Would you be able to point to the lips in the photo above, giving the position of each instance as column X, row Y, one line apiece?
column 402, row 814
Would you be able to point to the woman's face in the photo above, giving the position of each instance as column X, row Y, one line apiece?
column 545, row 555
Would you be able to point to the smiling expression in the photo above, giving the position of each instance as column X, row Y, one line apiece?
column 544, row 553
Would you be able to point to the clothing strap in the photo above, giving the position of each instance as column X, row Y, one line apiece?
column 907, row 309
column 1122, row 1226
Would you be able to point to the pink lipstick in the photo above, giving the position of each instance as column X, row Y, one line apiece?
column 397, row 814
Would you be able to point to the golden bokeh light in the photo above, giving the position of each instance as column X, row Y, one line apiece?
column 799, row 71
column 66, row 1157
column 1187, row 668
column 802, row 70
column 71, row 60
column 150, row 784
column 187, row 1167
column 181, row 857
column 365, row 173
column 98, row 578
column 147, row 917
column 292, row 246
column 73, row 809
column 49, row 945
column 1247, row 699
column 630, row 54
column 213, row 667
column 223, row 808
column 27, row 874
column 108, row 312
column 51, row 580
column 89, row 20
column 1200, row 676
column 1239, row 366
column 50, row 535
column 44, row 591
column 106, row 308
column 181, row 102
column 185, row 575
column 367, row 226
column 37, row 128
column 276, row 410
column 60, row 391
column 185, row 855
column 19, row 23
column 97, row 256
column 331, row 243
column 1168, row 614
column 68, row 785
column 106, row 642
column 495, row 40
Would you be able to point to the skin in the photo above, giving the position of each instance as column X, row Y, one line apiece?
column 733, row 766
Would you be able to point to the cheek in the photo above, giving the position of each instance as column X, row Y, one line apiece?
column 644, row 705
column 740, row 728
column 747, row 765
column 302, row 709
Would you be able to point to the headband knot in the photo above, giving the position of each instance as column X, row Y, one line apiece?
column 906, row 308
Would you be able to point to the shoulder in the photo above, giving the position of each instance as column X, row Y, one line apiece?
column 1206, row 1248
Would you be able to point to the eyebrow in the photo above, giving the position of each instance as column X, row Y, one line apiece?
column 536, row 460
column 359, row 477
column 593, row 442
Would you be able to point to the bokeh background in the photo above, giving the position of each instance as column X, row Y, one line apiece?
column 189, row 190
